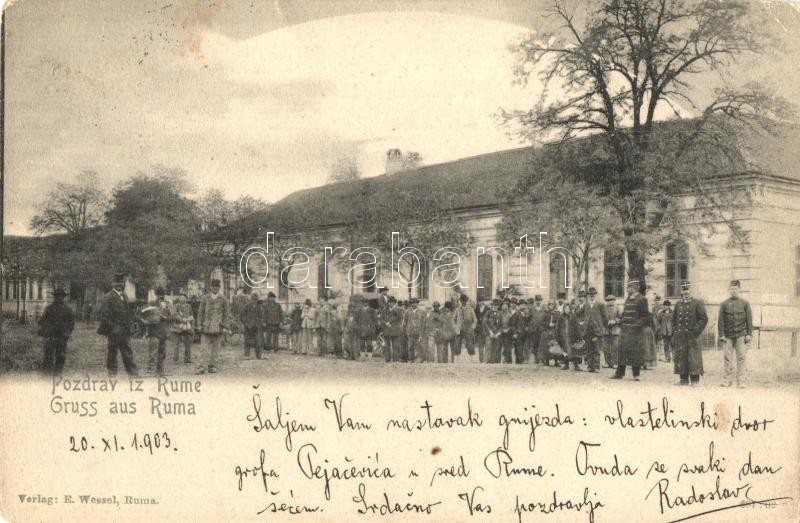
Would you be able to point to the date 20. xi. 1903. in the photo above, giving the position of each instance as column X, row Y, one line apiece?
column 152, row 443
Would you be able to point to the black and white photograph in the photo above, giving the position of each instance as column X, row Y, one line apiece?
column 560, row 198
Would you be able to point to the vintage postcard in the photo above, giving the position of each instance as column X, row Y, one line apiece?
column 400, row 260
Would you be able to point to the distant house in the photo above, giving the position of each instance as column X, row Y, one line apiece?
column 471, row 189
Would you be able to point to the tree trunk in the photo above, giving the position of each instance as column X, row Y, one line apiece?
column 636, row 267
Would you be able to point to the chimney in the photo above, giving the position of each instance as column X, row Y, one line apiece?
column 394, row 161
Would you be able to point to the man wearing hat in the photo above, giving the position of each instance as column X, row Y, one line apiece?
column 55, row 326
column 212, row 319
column 492, row 326
column 735, row 329
column 595, row 328
column 536, row 318
column 635, row 317
column 611, row 345
column 466, row 321
column 115, row 324
column 157, row 317
column 392, row 329
column 273, row 317
column 688, row 322
column 414, row 324
column 252, row 319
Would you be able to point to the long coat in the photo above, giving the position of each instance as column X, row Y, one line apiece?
column 634, row 318
column 115, row 316
column 212, row 316
column 366, row 322
column 57, row 321
column 688, row 321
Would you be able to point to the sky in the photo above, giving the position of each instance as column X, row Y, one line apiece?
column 261, row 98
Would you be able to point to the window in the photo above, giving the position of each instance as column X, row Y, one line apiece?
column 559, row 266
column 322, row 278
column 39, row 286
column 485, row 277
column 424, row 281
column 614, row 271
column 16, row 289
column 30, row 288
column 23, row 290
column 677, row 267
column 8, row 290
column 796, row 271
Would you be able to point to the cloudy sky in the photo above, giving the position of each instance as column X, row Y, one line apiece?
column 261, row 97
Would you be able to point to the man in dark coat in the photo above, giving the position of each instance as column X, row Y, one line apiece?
column 273, row 317
column 595, row 327
column 635, row 317
column 536, row 319
column 252, row 316
column 688, row 322
column 392, row 329
column 519, row 331
column 55, row 326
column 115, row 324
column 366, row 325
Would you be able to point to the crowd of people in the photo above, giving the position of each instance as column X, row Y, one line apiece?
column 586, row 331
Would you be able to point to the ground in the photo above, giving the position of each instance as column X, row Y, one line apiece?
column 22, row 350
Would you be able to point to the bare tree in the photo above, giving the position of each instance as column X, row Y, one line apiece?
column 608, row 70
column 72, row 208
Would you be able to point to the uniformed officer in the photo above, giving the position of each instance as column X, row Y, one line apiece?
column 688, row 322
column 635, row 317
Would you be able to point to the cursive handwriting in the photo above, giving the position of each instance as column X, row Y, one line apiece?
column 290, row 426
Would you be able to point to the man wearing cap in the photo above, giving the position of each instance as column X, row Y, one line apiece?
column 366, row 327
column 611, row 345
column 157, row 316
column 595, row 328
column 688, row 322
column 466, row 321
column 212, row 319
column 414, row 324
column 115, row 323
column 252, row 318
column 273, row 317
column 735, row 329
column 55, row 326
column 182, row 327
column 635, row 317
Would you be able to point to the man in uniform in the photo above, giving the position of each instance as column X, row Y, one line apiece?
column 55, row 326
column 273, row 317
column 688, row 322
column 212, row 319
column 635, row 317
column 115, row 324
column 735, row 328
column 595, row 328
